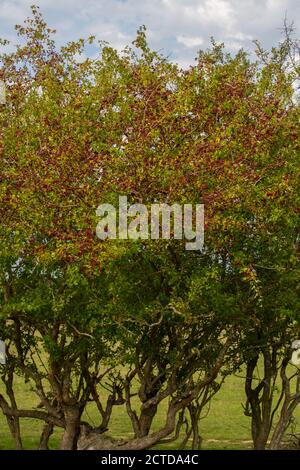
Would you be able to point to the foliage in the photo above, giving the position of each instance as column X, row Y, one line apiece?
column 79, row 314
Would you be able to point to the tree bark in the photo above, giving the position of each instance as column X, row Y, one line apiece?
column 45, row 436
column 291, row 401
column 145, row 420
column 14, row 426
column 72, row 427
column 260, row 400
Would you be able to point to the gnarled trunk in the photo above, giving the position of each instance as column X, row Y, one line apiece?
column 259, row 400
column 146, row 418
column 45, row 436
column 72, row 427
column 291, row 401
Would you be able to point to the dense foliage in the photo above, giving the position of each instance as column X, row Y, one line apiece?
column 147, row 319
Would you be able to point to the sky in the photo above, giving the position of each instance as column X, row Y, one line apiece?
column 177, row 28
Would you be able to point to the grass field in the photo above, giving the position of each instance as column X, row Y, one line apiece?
column 225, row 427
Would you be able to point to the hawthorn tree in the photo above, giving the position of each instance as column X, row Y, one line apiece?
column 177, row 351
column 62, row 124
column 50, row 259
column 232, row 142
column 75, row 309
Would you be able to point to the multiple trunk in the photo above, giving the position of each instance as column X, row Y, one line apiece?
column 262, row 403
column 290, row 402
column 260, row 398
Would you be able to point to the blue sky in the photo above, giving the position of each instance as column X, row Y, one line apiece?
column 177, row 27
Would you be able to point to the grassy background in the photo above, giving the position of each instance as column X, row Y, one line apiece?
column 225, row 427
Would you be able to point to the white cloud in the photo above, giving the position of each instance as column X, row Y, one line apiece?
column 13, row 11
column 219, row 12
column 177, row 27
column 190, row 41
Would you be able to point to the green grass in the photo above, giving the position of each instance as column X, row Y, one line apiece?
column 225, row 427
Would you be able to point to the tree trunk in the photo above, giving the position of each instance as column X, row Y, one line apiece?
column 195, row 412
column 260, row 438
column 72, row 427
column 12, row 421
column 259, row 399
column 145, row 421
column 278, row 434
column 14, row 426
column 289, row 405
column 45, row 436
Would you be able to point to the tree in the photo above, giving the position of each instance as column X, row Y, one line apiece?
column 75, row 309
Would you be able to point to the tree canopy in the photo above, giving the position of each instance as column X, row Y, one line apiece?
column 147, row 317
